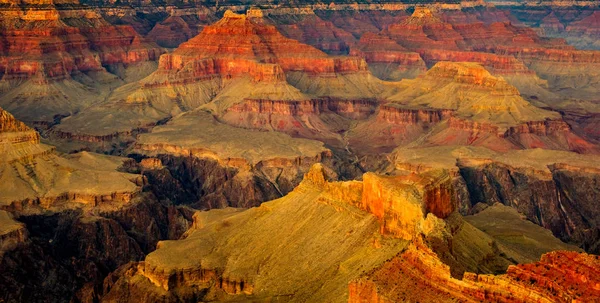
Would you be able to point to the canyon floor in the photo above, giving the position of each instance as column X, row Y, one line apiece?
column 260, row 151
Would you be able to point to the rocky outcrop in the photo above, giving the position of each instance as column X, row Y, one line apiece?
column 308, row 28
column 206, row 275
column 212, row 165
column 540, row 184
column 12, row 233
column 36, row 177
column 55, row 58
column 250, row 41
column 417, row 274
column 76, row 251
column 499, row 65
column 322, row 119
column 359, row 109
column 419, row 195
column 398, row 115
column 386, row 58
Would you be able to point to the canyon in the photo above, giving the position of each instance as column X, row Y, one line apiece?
column 299, row 151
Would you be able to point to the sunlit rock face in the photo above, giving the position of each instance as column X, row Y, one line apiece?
column 302, row 152
column 36, row 176
column 417, row 274
column 55, row 56
column 402, row 209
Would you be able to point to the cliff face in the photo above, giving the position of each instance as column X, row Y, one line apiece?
column 417, row 274
column 68, row 254
column 403, row 207
column 387, row 59
column 556, row 204
column 53, row 55
column 386, row 198
column 212, row 165
column 321, row 119
column 539, row 183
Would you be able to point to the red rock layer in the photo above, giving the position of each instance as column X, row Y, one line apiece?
column 322, row 119
column 419, row 275
column 357, row 109
column 376, row 48
column 497, row 64
column 54, row 43
column 396, row 115
column 424, row 29
column 191, row 70
column 238, row 45
column 549, row 134
column 312, row 30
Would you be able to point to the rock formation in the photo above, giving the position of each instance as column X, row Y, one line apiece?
column 348, row 151
column 38, row 177
column 83, row 218
column 55, row 58
column 388, row 60
column 217, row 68
column 417, row 274
column 216, row 262
column 538, row 183
column 486, row 111
column 228, row 166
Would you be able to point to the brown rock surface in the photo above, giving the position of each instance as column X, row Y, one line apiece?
column 388, row 60
column 53, row 59
column 34, row 175
column 216, row 262
column 538, row 183
column 239, row 57
column 417, row 274
column 231, row 166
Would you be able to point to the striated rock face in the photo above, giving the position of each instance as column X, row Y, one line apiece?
column 52, row 56
column 310, row 29
column 417, row 274
column 387, row 59
column 552, row 189
column 251, row 43
column 240, row 57
column 397, row 115
column 484, row 110
column 213, row 165
column 497, row 64
column 37, row 177
column 321, row 119
column 425, row 29
column 401, row 203
column 68, row 254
